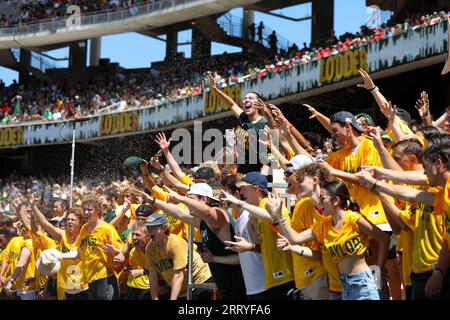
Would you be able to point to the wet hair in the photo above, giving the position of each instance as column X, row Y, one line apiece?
column 93, row 200
column 439, row 140
column 428, row 131
column 313, row 170
column 435, row 152
column 257, row 94
column 337, row 189
column 409, row 147
column 230, row 181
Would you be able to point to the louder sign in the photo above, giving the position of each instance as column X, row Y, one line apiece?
column 119, row 123
column 342, row 66
column 12, row 136
column 213, row 102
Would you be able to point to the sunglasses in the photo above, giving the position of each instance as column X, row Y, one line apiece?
column 287, row 174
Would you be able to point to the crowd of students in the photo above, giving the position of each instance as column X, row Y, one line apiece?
column 369, row 220
column 115, row 91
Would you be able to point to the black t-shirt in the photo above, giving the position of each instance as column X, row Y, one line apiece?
column 250, row 151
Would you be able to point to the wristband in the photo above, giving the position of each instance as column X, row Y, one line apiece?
column 239, row 204
column 375, row 89
column 374, row 186
column 277, row 222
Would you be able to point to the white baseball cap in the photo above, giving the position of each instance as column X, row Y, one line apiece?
column 202, row 189
column 300, row 160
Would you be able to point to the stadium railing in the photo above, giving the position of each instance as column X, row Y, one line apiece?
column 93, row 18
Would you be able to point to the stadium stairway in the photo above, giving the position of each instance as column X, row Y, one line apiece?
column 9, row 59
column 213, row 31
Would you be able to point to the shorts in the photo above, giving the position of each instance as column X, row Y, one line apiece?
column 359, row 286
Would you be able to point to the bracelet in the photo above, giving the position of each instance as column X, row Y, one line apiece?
column 290, row 126
column 374, row 186
column 301, row 252
column 277, row 222
column 375, row 89
column 239, row 204
column 154, row 201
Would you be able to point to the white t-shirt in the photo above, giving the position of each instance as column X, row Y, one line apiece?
column 251, row 262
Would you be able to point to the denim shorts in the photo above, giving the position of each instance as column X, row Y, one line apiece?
column 359, row 286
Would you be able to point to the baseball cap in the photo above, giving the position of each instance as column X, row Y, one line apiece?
column 298, row 161
column 204, row 173
column 254, row 178
column 156, row 219
column 144, row 211
column 202, row 189
column 344, row 117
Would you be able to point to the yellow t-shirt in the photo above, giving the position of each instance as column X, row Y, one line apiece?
column 306, row 270
column 290, row 153
column 185, row 179
column 11, row 255
column 28, row 270
column 428, row 231
column 277, row 264
column 332, row 268
column 136, row 260
column 406, row 131
column 174, row 256
column 344, row 160
column 41, row 242
column 349, row 241
column 70, row 276
column 407, row 239
column 442, row 207
column 94, row 261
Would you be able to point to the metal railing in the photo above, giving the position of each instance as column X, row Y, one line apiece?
column 92, row 18
column 233, row 25
column 42, row 63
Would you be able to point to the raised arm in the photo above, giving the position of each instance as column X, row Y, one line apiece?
column 274, row 208
column 392, row 214
column 56, row 233
column 228, row 101
column 284, row 244
column 172, row 210
column 396, row 191
column 407, row 177
column 386, row 158
column 324, row 120
column 254, row 210
column 423, row 107
column 164, row 145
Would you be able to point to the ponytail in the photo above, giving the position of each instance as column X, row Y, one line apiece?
column 351, row 205
column 337, row 189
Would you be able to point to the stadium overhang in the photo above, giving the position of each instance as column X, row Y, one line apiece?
column 146, row 17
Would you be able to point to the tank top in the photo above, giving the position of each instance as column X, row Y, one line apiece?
column 224, row 275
